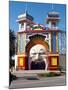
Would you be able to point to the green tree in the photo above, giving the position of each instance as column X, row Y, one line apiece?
column 12, row 39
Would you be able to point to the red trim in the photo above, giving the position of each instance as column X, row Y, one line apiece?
column 53, row 67
column 26, row 62
column 36, row 31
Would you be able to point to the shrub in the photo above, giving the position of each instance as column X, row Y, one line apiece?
column 50, row 74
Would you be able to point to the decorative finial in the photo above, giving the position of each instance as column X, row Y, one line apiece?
column 52, row 6
column 26, row 7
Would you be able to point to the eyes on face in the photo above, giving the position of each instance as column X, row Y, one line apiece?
column 41, row 52
column 38, row 51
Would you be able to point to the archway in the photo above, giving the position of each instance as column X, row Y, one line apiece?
column 37, row 44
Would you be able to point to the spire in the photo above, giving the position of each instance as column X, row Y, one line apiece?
column 26, row 7
column 52, row 7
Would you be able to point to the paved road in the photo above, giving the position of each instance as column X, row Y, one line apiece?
column 38, row 82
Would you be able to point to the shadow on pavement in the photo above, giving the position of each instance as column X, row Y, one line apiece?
column 28, row 78
column 32, row 78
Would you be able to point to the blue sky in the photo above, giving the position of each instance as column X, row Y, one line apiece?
column 38, row 10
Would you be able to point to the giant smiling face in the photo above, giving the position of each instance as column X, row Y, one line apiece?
column 38, row 53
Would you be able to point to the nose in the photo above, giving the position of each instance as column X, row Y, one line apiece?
column 37, row 56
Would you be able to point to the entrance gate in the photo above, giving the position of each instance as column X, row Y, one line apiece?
column 39, row 47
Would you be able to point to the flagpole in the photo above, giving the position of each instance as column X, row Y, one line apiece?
column 26, row 7
column 52, row 6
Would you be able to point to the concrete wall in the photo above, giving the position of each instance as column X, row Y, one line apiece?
column 62, row 61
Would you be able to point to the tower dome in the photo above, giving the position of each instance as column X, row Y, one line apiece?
column 25, row 21
column 52, row 20
column 53, row 14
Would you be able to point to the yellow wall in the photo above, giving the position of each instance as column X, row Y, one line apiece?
column 54, row 61
column 21, row 62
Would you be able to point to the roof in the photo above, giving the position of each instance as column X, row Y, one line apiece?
column 53, row 14
column 25, row 16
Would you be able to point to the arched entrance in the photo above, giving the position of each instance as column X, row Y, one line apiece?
column 38, row 65
column 37, row 53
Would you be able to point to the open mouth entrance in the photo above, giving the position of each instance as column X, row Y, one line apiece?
column 37, row 65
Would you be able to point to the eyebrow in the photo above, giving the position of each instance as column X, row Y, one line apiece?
column 42, row 50
column 39, row 53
